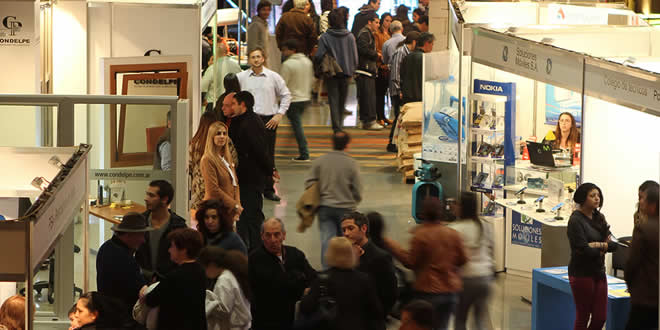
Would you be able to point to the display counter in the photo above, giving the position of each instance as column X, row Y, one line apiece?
column 553, row 306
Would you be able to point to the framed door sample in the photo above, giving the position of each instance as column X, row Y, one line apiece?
column 135, row 129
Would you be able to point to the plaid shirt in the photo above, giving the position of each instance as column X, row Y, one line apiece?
column 395, row 66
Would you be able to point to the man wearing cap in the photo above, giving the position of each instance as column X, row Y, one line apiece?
column 117, row 273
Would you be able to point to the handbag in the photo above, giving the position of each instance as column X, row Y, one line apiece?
column 326, row 314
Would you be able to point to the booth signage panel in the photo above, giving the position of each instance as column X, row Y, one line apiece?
column 129, row 175
column 208, row 9
column 17, row 23
column 57, row 216
column 576, row 15
column 525, row 231
column 526, row 58
column 609, row 83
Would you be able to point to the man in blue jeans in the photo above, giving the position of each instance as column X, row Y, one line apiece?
column 298, row 73
column 340, row 187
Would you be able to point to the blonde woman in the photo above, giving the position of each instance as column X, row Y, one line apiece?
column 357, row 303
column 196, row 150
column 219, row 171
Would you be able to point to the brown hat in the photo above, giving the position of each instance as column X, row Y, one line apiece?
column 132, row 222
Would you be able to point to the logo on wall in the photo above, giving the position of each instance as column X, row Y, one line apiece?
column 560, row 14
column 11, row 32
column 505, row 54
column 548, row 66
column 12, row 25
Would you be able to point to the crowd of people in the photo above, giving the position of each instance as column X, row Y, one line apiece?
column 319, row 51
column 230, row 268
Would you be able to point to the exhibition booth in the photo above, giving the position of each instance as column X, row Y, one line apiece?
column 527, row 79
column 442, row 94
column 82, row 206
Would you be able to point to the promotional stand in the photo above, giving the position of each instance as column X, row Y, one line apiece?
column 32, row 236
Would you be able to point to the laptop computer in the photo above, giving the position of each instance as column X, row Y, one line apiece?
column 541, row 155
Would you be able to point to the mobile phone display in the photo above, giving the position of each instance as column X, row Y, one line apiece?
column 539, row 199
column 521, row 190
column 557, row 207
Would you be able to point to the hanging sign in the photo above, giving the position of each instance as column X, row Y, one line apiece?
column 527, row 58
column 17, row 23
column 616, row 83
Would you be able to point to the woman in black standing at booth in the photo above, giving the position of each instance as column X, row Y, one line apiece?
column 589, row 236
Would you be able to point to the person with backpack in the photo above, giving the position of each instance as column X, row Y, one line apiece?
column 343, row 298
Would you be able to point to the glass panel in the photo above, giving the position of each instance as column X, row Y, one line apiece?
column 33, row 125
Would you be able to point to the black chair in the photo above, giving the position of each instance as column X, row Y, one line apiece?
column 620, row 256
column 50, row 284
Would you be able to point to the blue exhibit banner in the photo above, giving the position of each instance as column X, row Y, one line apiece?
column 525, row 231
column 559, row 100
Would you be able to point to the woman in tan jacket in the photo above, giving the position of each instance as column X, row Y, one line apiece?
column 219, row 171
column 196, row 149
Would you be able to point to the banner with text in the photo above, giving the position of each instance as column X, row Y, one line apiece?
column 525, row 231
column 614, row 83
column 527, row 58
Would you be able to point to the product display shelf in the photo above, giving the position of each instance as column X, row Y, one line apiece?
column 529, row 209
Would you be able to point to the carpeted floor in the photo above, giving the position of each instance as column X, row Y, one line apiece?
column 367, row 147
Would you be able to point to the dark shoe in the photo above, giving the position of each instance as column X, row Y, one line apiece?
column 346, row 112
column 392, row 147
column 271, row 196
column 301, row 159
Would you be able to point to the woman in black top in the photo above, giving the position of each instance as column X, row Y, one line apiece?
column 588, row 234
column 217, row 228
column 357, row 303
column 181, row 295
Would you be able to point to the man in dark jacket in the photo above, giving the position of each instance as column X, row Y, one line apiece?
column 641, row 270
column 367, row 72
column 152, row 256
column 117, row 273
column 411, row 69
column 374, row 261
column 362, row 17
column 278, row 276
column 248, row 133
column 339, row 43
column 297, row 25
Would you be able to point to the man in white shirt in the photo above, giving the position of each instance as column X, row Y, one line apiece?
column 222, row 66
column 266, row 86
column 298, row 73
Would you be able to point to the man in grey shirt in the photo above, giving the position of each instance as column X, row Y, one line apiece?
column 340, row 188
column 258, row 30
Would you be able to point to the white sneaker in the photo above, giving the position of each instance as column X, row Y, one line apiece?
column 373, row 126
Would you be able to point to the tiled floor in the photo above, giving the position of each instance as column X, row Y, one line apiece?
column 383, row 192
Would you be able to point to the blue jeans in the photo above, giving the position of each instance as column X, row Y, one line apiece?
column 443, row 306
column 294, row 113
column 329, row 226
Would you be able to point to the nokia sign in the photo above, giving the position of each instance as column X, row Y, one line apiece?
column 491, row 88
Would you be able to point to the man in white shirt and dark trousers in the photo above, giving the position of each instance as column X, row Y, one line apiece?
column 298, row 73
column 266, row 86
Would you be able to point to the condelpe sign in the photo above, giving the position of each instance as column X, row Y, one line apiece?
column 16, row 24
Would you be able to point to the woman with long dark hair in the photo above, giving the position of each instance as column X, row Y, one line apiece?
column 589, row 236
column 217, row 227
column 566, row 133
column 196, row 149
column 228, row 299
column 477, row 273
column 383, row 79
column 97, row 311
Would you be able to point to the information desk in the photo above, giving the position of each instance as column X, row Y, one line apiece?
column 553, row 306
column 555, row 249
column 107, row 213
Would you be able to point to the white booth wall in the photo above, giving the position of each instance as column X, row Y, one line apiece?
column 20, row 67
column 620, row 152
